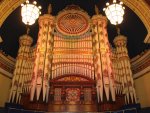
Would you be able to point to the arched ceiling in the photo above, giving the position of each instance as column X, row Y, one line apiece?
column 140, row 7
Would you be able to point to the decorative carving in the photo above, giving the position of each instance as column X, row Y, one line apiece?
column 72, row 22
column 73, row 78
column 73, row 94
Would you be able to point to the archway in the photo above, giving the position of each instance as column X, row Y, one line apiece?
column 141, row 8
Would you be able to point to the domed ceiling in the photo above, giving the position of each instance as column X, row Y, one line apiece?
column 132, row 26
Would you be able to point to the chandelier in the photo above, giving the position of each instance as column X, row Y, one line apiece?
column 114, row 12
column 30, row 12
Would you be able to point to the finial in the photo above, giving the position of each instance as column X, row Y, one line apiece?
column 49, row 9
column 96, row 10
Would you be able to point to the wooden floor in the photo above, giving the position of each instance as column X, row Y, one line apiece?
column 75, row 112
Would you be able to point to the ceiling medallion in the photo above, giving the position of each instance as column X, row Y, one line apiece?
column 72, row 21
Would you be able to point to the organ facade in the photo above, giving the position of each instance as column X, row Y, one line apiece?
column 73, row 66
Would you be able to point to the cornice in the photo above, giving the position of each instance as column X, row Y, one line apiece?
column 7, row 64
column 141, row 64
column 141, row 58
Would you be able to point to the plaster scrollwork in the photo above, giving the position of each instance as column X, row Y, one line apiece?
column 142, row 10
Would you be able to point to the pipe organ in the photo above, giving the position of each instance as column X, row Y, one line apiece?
column 73, row 66
column 72, row 56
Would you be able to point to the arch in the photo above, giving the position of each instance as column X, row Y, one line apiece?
column 142, row 10
column 140, row 7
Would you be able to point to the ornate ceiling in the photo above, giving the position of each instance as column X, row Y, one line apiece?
column 140, row 7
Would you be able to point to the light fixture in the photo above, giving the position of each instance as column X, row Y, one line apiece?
column 114, row 12
column 30, row 12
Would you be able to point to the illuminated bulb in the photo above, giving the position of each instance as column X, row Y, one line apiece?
column 22, row 5
column 107, row 4
column 121, row 3
column 114, row 1
column 35, row 2
column 104, row 9
column 27, row 1
column 40, row 7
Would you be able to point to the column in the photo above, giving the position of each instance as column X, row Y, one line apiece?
column 42, row 64
column 102, row 53
column 124, row 63
column 19, row 75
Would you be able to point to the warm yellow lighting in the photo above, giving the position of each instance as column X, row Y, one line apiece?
column 114, row 12
column 30, row 12
column 114, row 1
column 27, row 1
column 107, row 4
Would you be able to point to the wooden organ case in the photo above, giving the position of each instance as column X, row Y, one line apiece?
column 73, row 83
column 74, row 76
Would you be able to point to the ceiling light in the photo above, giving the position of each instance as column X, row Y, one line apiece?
column 30, row 12
column 114, row 12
